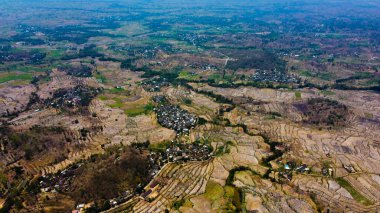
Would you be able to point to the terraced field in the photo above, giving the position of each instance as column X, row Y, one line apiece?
column 176, row 182
column 199, row 106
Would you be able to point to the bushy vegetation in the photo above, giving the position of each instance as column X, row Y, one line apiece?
column 257, row 59
column 77, row 71
column 320, row 111
column 106, row 176
column 35, row 143
column 87, row 51
column 159, row 146
column 213, row 191
column 297, row 94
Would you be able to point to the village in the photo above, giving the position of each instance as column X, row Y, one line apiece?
column 59, row 182
column 179, row 153
column 79, row 96
column 176, row 152
column 154, row 84
column 173, row 152
column 273, row 76
column 161, row 106
column 175, row 118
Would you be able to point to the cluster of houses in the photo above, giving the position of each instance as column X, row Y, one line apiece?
column 181, row 152
column 160, row 99
column 192, row 38
column 175, row 118
column 154, row 84
column 144, row 51
column 126, row 195
column 290, row 167
column 77, row 71
column 273, row 76
column 151, row 191
column 327, row 171
column 81, row 208
column 59, row 182
column 175, row 152
column 30, row 57
column 71, row 98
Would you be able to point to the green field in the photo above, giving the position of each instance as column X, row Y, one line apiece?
column 116, row 90
column 14, row 76
column 327, row 92
column 100, row 78
column 139, row 110
column 354, row 193
column 118, row 103
column 298, row 94
column 214, row 191
column 55, row 54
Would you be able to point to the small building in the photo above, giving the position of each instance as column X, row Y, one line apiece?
column 349, row 168
column 80, row 206
column 303, row 168
column 146, row 194
column 287, row 167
